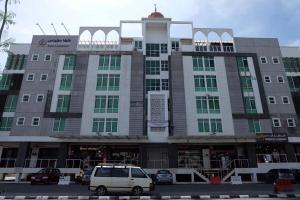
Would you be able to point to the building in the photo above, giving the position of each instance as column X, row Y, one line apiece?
column 196, row 106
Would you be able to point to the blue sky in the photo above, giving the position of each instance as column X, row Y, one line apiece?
column 248, row 18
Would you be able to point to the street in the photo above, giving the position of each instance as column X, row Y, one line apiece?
column 14, row 189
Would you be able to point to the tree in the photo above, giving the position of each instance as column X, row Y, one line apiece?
column 6, row 18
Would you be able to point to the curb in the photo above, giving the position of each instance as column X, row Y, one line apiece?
column 148, row 197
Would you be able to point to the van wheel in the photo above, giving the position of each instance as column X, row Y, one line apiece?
column 101, row 190
column 137, row 191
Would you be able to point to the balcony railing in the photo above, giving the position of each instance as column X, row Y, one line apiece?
column 98, row 45
column 40, row 163
column 271, row 158
column 7, row 163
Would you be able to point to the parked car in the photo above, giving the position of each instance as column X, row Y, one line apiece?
column 46, row 176
column 120, row 178
column 164, row 176
column 282, row 174
column 86, row 177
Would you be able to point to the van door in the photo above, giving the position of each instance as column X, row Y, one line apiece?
column 102, row 176
column 120, row 179
column 139, row 178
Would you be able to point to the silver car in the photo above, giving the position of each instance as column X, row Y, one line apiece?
column 164, row 176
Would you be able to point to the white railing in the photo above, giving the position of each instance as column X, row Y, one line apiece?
column 40, row 163
column 98, row 45
column 92, row 163
column 7, row 163
column 73, row 163
column 271, row 158
column 158, row 164
column 187, row 162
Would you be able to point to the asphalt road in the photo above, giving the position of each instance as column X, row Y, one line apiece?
column 14, row 189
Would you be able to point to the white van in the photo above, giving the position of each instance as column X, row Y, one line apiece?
column 120, row 178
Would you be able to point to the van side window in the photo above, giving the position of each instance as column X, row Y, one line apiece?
column 103, row 172
column 120, row 172
column 137, row 173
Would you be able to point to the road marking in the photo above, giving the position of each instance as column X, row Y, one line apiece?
column 244, row 196
column 204, row 196
column 224, row 197
column 104, row 197
column 124, row 197
column 297, row 195
column 145, row 197
column 185, row 197
column 165, row 197
column 19, row 197
column 282, row 195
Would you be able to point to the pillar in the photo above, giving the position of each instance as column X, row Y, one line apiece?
column 34, row 157
column 143, row 156
column 1, row 150
column 63, row 150
column 290, row 151
column 22, row 152
column 251, row 153
column 173, row 156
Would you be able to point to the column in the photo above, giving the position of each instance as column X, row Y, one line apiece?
column 22, row 152
column 143, row 156
column 290, row 151
column 63, row 150
column 1, row 150
column 173, row 156
column 34, row 157
column 251, row 153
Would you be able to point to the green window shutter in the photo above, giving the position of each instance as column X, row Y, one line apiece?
column 63, row 103
column 66, row 82
column 9, row 60
column 100, row 104
column 111, row 125
column 11, row 103
column 59, row 124
column 104, row 62
column 209, row 63
column 20, row 62
column 5, row 123
column 254, row 125
column 70, row 62
column 199, row 83
column 211, row 82
column 201, row 104
column 198, row 63
column 5, row 81
column 114, row 82
column 98, row 125
column 203, row 125
column 115, row 63
column 102, row 82
column 113, row 104
column 214, row 106
column 246, row 84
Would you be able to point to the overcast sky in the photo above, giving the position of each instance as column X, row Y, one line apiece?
column 248, row 18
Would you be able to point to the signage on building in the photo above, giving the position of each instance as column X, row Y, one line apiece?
column 272, row 137
column 55, row 42
column 236, row 180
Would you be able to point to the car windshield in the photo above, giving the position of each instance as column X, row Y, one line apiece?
column 43, row 171
column 163, row 172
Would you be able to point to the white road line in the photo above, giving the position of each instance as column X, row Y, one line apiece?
column 244, row 196
column 204, row 196
column 224, row 197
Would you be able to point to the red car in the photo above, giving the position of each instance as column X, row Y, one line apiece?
column 45, row 176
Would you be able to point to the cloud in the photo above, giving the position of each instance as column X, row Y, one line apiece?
column 295, row 43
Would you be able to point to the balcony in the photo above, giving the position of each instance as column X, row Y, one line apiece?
column 98, row 46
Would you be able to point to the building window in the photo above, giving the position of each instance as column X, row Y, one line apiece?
column 103, row 62
column 285, row 100
column 263, row 60
column 100, row 104
column 35, row 57
column 216, row 125
column 291, row 64
column 11, row 103
column 112, row 104
column 115, row 63
column 63, row 103
column 6, row 123
column 164, row 84
column 205, row 63
column 44, row 77
column 163, row 48
column 152, row 85
column 275, row 60
column 213, row 104
column 35, row 121
column 203, row 125
column 30, row 77
column 199, row 83
column 276, row 122
column 138, row 44
column 291, row 122
column 272, row 100
column 268, row 79
column 26, row 98
column 39, row 98
column 175, row 45
column 243, row 64
column 59, row 124
column 201, row 104
column 70, row 62
column 15, row 62
column 109, row 62
column 294, row 83
column 102, row 80
column 246, row 84
column 152, row 67
column 254, row 126
column 20, row 121
column 164, row 65
column 250, row 104
column 47, row 57
column 114, row 82
column 5, row 81
column 211, row 83
column 101, row 125
column 65, row 82
column 280, row 79
column 152, row 50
